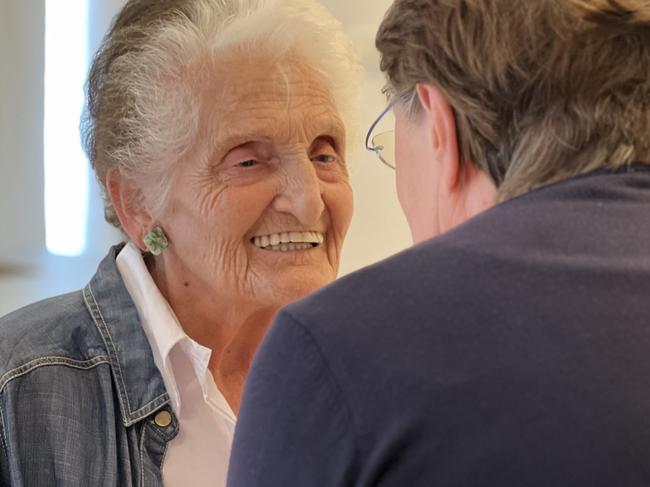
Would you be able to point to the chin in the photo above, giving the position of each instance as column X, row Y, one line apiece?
column 298, row 287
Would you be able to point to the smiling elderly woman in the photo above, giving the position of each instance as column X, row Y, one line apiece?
column 216, row 128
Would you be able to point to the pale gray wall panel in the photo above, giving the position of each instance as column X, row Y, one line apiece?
column 22, row 232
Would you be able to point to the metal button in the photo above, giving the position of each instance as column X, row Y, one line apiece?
column 163, row 419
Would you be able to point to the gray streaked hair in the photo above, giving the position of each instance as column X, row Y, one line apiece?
column 542, row 90
column 143, row 98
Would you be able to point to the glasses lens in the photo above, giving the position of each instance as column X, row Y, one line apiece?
column 385, row 144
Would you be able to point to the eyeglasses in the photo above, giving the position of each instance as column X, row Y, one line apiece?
column 382, row 144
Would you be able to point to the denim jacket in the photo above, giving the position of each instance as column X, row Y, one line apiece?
column 81, row 400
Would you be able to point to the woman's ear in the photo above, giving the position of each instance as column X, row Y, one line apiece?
column 135, row 219
column 439, row 116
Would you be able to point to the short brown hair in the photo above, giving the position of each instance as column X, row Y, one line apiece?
column 542, row 90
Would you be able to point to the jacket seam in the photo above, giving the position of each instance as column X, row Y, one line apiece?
column 129, row 417
column 3, row 438
column 97, row 316
column 47, row 361
column 164, row 457
column 330, row 373
column 144, row 431
column 149, row 408
column 164, row 438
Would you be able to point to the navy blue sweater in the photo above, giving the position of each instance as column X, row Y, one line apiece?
column 512, row 351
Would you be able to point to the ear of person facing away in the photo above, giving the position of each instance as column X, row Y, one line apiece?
column 437, row 189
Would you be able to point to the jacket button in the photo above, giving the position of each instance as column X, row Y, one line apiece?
column 163, row 419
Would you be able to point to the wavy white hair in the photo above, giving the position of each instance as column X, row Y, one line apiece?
column 143, row 90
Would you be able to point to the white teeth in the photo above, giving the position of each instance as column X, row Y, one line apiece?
column 288, row 247
column 310, row 237
column 287, row 241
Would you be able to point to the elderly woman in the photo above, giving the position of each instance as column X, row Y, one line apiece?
column 217, row 130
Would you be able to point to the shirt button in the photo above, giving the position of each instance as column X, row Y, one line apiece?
column 163, row 419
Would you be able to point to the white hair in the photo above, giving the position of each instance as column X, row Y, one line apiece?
column 144, row 100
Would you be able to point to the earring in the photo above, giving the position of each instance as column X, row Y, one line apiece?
column 156, row 241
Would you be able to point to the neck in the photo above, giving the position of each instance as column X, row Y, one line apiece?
column 473, row 195
column 232, row 329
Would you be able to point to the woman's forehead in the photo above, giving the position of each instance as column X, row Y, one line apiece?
column 256, row 97
column 260, row 79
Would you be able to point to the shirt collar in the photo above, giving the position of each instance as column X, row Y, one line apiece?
column 160, row 325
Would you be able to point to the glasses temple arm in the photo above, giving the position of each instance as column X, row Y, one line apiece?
column 376, row 122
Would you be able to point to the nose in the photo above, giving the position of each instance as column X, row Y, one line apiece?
column 300, row 191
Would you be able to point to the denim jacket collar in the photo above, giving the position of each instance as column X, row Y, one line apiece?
column 139, row 384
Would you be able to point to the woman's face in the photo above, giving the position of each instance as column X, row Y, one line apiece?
column 260, row 212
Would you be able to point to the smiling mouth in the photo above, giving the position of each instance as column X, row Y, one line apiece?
column 289, row 241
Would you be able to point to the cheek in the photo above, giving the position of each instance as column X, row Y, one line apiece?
column 340, row 205
column 416, row 181
column 218, row 220
column 242, row 207
column 404, row 196
column 405, row 172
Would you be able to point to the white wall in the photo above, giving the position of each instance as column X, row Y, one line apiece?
column 378, row 228
column 21, row 118
column 27, row 271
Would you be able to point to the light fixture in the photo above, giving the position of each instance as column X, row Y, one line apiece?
column 66, row 167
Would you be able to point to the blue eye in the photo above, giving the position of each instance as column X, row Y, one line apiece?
column 248, row 163
column 324, row 158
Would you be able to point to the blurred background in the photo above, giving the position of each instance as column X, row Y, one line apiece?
column 52, row 230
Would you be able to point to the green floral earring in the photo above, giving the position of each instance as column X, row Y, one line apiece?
column 156, row 241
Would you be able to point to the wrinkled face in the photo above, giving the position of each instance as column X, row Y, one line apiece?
column 261, row 212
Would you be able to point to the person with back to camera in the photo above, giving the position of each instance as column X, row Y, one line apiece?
column 511, row 347
column 218, row 130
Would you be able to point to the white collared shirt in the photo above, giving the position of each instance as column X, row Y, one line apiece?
column 199, row 454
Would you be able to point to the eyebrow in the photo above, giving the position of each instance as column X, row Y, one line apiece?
column 238, row 139
column 334, row 129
